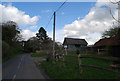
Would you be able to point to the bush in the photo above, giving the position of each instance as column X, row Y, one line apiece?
column 17, row 50
column 6, row 50
column 9, row 51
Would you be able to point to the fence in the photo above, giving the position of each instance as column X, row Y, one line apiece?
column 81, row 65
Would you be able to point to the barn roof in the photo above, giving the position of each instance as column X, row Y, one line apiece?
column 103, row 42
column 74, row 41
column 114, row 41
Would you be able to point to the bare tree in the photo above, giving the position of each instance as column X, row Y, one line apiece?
column 114, row 1
column 118, row 3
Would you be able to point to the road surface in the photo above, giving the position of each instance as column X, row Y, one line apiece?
column 21, row 67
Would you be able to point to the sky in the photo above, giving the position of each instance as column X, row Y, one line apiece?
column 84, row 20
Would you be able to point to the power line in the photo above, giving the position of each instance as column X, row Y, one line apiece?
column 65, row 6
column 55, row 11
column 61, row 6
column 49, row 21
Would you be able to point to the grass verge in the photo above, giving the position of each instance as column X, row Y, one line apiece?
column 71, row 70
column 39, row 55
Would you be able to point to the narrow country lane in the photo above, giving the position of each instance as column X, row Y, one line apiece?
column 21, row 67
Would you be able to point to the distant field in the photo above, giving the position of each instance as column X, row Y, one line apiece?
column 71, row 70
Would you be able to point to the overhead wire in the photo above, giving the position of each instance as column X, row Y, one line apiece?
column 49, row 21
column 61, row 6
column 55, row 11
column 65, row 6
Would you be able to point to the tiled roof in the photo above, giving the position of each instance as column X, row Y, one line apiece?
column 114, row 41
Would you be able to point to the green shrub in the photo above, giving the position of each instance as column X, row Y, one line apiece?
column 9, row 51
column 6, row 50
column 17, row 50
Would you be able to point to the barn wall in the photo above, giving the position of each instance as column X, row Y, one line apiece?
column 115, row 51
column 71, row 48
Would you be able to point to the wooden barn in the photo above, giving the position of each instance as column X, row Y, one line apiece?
column 102, row 46
column 109, row 45
column 74, row 43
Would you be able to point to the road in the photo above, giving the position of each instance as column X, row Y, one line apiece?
column 21, row 67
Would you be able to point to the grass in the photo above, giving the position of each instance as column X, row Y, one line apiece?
column 39, row 55
column 71, row 70
column 90, row 61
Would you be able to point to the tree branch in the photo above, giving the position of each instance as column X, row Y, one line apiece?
column 113, row 16
column 114, row 2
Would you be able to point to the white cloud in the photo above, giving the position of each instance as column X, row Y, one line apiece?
column 107, row 0
column 107, row 3
column 62, row 13
column 78, row 18
column 93, row 24
column 26, row 34
column 46, row 11
column 33, row 27
column 59, row 37
column 11, row 13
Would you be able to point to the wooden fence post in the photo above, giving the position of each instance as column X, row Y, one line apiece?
column 63, row 59
column 54, row 58
column 80, row 64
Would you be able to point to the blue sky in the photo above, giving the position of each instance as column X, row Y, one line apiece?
column 66, row 15
column 86, row 20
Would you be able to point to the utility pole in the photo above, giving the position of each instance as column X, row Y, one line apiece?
column 54, row 35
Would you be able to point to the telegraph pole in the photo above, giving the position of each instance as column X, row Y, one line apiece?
column 54, row 34
column 54, row 29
